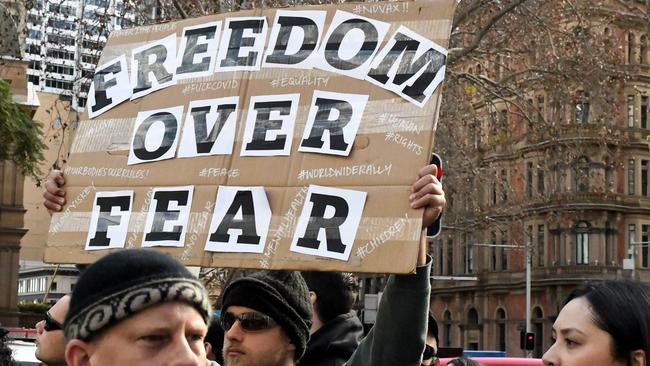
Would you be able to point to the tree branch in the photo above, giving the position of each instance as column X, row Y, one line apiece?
column 180, row 10
column 453, row 57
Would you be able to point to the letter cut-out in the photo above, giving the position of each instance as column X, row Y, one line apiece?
column 242, row 44
column 329, row 221
column 269, row 125
column 333, row 122
column 241, row 220
column 209, row 128
column 295, row 36
column 153, row 66
column 350, row 44
column 109, row 220
column 155, row 135
column 198, row 50
column 110, row 86
column 167, row 220
column 410, row 66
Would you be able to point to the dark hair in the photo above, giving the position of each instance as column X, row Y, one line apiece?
column 463, row 361
column 620, row 308
column 6, row 358
column 215, row 337
column 334, row 291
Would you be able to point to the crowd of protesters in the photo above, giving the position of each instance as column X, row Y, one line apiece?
column 142, row 307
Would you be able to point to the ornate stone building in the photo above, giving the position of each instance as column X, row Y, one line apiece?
column 11, row 202
column 573, row 191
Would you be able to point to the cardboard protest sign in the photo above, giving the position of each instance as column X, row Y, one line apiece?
column 279, row 139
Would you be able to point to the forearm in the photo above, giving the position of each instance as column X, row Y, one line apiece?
column 399, row 334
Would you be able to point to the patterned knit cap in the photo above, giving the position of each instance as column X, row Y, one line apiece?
column 124, row 282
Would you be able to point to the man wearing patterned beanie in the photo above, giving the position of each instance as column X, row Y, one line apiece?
column 137, row 307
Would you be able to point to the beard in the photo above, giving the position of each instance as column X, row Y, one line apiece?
column 252, row 358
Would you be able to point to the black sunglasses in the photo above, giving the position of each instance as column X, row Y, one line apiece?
column 51, row 324
column 250, row 321
column 428, row 352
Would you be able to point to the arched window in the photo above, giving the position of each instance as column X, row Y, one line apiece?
column 447, row 326
column 501, row 329
column 472, row 317
column 538, row 328
column 582, row 174
column 631, row 45
column 643, row 50
column 582, row 242
column 472, row 335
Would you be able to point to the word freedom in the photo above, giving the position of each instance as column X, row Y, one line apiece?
column 408, row 64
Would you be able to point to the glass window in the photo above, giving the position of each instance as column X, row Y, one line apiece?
column 504, row 251
column 582, row 112
column 501, row 330
column 644, row 177
column 504, row 185
column 541, row 107
column 631, row 45
column 631, row 170
column 540, row 181
column 645, row 238
column 493, row 251
column 644, row 111
column 630, row 111
column 643, row 50
column 541, row 245
column 450, row 257
column 582, row 174
column 582, row 243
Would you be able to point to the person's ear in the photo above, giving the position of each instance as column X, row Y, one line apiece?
column 208, row 350
column 638, row 358
column 77, row 353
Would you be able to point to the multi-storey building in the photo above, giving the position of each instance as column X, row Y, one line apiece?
column 574, row 195
column 64, row 41
column 38, row 282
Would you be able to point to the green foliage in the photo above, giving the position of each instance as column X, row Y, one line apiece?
column 20, row 136
column 33, row 307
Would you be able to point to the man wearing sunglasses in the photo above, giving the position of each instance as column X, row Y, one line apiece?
column 140, row 307
column 267, row 316
column 50, row 342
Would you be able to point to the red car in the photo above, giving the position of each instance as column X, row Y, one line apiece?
column 501, row 361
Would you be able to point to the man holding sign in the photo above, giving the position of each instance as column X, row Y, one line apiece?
column 251, row 316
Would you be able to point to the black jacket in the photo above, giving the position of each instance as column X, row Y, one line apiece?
column 334, row 343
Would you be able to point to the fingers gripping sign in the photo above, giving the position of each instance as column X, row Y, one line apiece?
column 428, row 194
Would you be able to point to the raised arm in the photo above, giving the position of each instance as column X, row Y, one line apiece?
column 399, row 334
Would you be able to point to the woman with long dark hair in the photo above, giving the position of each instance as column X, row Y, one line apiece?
column 605, row 323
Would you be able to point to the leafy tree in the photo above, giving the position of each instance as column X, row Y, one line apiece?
column 20, row 136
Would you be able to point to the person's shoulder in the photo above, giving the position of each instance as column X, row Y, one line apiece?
column 212, row 363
